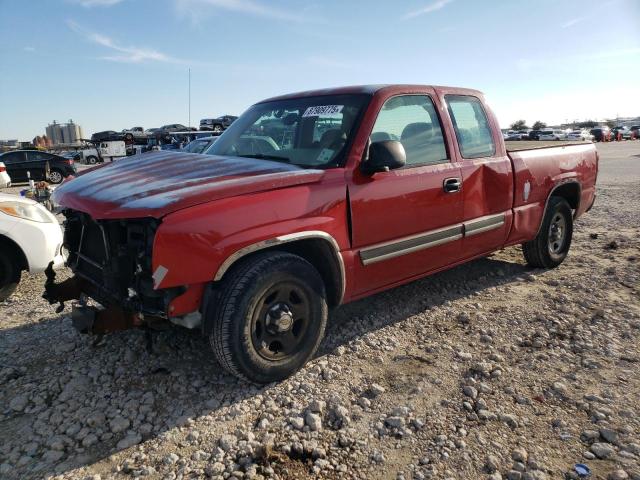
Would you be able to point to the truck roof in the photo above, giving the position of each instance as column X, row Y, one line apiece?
column 371, row 90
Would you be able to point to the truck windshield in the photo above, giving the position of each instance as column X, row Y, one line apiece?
column 310, row 132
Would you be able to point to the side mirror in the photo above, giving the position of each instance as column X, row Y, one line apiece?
column 384, row 156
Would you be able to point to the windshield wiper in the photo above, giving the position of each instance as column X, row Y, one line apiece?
column 263, row 156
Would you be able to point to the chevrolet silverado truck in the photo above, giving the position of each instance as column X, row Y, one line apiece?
column 309, row 201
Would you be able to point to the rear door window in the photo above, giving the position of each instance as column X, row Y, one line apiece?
column 471, row 126
column 35, row 156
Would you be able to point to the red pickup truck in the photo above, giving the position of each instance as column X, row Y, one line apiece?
column 309, row 201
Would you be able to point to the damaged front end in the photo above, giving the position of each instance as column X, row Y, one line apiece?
column 111, row 262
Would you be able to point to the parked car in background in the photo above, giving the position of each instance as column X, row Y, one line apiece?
column 106, row 136
column 217, row 125
column 72, row 154
column 40, row 165
column 151, row 131
column 534, row 135
column 635, row 131
column 5, row 179
column 176, row 127
column 517, row 135
column 199, row 145
column 580, row 135
column 134, row 133
column 623, row 132
column 552, row 134
column 30, row 239
column 255, row 243
column 600, row 134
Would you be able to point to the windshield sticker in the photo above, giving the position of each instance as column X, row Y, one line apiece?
column 322, row 110
column 326, row 154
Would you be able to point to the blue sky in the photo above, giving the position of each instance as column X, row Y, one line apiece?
column 113, row 64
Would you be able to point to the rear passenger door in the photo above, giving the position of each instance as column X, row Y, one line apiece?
column 406, row 222
column 487, row 182
column 37, row 163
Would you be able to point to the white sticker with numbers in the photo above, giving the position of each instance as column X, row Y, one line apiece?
column 323, row 110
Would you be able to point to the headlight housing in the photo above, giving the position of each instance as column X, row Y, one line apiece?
column 27, row 211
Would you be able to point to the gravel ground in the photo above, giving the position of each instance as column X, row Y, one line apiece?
column 488, row 371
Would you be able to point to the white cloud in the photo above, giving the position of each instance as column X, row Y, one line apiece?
column 247, row 7
column 572, row 22
column 97, row 3
column 123, row 54
column 432, row 7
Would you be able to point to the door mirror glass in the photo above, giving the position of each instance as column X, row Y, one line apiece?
column 384, row 156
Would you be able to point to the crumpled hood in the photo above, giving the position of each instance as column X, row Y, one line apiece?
column 155, row 184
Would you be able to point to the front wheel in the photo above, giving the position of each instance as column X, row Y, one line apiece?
column 91, row 160
column 217, row 129
column 9, row 274
column 269, row 317
column 551, row 245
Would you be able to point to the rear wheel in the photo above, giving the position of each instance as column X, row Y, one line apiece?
column 91, row 160
column 9, row 274
column 269, row 317
column 217, row 129
column 55, row 176
column 551, row 245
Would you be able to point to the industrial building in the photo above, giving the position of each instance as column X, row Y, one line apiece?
column 67, row 133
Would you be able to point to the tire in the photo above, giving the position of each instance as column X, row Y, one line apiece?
column 217, row 129
column 551, row 245
column 261, row 304
column 56, row 176
column 128, row 137
column 9, row 274
column 92, row 160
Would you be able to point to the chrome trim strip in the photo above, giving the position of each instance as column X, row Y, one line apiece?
column 483, row 224
column 410, row 244
column 291, row 237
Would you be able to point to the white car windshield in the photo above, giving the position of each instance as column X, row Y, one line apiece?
column 310, row 132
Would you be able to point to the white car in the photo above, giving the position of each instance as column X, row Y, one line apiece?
column 552, row 135
column 30, row 239
column 580, row 135
column 5, row 179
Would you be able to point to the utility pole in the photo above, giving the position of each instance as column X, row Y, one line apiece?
column 189, row 97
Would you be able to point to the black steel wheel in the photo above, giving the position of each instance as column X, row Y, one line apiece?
column 268, row 318
column 552, row 243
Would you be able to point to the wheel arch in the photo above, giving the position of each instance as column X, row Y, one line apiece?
column 6, row 242
column 317, row 247
column 570, row 190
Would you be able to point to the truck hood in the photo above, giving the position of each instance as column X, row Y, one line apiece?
column 157, row 183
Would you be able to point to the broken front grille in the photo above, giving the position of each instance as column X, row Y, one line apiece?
column 114, row 256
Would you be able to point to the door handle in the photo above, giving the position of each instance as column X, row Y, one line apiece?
column 452, row 185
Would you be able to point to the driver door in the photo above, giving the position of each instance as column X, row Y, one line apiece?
column 407, row 222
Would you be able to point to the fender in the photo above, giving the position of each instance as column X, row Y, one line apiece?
column 283, row 239
column 562, row 183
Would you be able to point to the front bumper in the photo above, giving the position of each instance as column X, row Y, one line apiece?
column 41, row 244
